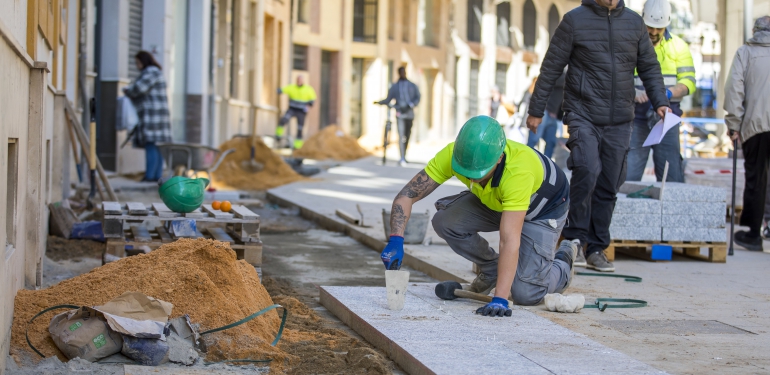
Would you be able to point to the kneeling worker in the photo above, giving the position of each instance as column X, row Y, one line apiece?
column 513, row 189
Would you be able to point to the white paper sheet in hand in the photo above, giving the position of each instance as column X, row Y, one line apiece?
column 661, row 128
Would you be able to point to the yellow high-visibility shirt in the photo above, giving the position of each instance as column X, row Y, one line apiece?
column 521, row 178
column 675, row 63
column 301, row 94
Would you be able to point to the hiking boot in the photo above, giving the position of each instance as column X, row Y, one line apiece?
column 580, row 259
column 747, row 241
column 483, row 284
column 567, row 252
column 599, row 262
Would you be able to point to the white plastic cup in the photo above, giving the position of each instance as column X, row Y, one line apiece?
column 395, row 284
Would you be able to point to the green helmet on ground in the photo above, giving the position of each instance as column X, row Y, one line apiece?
column 478, row 147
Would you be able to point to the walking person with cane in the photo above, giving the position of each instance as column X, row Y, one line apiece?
column 748, row 119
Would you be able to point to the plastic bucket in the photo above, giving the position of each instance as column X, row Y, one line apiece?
column 416, row 227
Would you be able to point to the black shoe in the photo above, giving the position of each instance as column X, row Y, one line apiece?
column 766, row 233
column 743, row 239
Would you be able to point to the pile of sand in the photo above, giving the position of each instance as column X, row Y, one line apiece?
column 331, row 143
column 200, row 277
column 230, row 174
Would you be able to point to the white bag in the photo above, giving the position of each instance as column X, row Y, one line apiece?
column 126, row 114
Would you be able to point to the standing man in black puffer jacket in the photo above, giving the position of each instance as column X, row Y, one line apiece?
column 602, row 42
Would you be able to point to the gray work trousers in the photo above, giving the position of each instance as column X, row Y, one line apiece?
column 461, row 217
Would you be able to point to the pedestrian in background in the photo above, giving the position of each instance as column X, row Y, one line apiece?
column 748, row 117
column 301, row 98
column 148, row 95
column 551, row 119
column 679, row 77
column 603, row 42
column 407, row 96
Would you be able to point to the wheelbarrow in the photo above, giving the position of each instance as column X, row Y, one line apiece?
column 187, row 159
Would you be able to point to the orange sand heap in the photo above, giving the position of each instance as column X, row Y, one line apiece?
column 331, row 143
column 200, row 277
column 230, row 174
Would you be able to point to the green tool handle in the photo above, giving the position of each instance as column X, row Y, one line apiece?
column 629, row 278
column 601, row 303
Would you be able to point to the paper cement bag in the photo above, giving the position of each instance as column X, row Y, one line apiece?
column 84, row 333
column 135, row 314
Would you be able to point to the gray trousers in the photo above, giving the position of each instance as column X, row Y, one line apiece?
column 461, row 217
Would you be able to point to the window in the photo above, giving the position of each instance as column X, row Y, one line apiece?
column 365, row 21
column 12, row 183
column 473, row 94
column 500, row 73
column 504, row 24
column 429, row 13
column 529, row 24
column 406, row 19
column 299, row 57
column 553, row 20
column 391, row 19
column 303, row 11
column 474, row 20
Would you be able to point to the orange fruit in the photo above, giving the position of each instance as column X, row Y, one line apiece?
column 215, row 204
column 226, row 206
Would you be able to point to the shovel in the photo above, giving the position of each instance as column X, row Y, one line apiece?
column 252, row 165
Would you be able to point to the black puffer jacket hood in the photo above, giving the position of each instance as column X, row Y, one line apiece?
column 602, row 49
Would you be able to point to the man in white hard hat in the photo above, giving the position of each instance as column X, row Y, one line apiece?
column 679, row 77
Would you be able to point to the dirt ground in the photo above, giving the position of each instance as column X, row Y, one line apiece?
column 331, row 347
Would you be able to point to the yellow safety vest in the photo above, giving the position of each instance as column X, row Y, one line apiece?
column 675, row 63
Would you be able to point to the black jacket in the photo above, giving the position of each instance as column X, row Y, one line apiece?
column 602, row 49
column 557, row 97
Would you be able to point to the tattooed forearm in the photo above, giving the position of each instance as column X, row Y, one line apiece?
column 398, row 220
column 419, row 187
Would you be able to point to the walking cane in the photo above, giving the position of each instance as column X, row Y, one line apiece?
column 732, row 210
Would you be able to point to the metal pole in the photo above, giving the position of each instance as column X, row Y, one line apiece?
column 748, row 19
column 732, row 208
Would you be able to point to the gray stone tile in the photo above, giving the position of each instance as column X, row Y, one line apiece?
column 635, row 233
column 636, row 206
column 695, row 234
column 693, row 221
column 632, row 220
column 676, row 191
column 694, row 208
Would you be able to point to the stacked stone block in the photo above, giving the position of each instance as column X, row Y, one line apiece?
column 679, row 212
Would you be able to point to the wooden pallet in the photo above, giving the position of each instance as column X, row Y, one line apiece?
column 717, row 251
column 154, row 238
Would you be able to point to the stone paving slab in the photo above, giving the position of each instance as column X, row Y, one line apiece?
column 432, row 336
column 677, row 191
column 694, row 221
column 695, row 234
column 694, row 208
column 636, row 206
column 633, row 233
column 636, row 220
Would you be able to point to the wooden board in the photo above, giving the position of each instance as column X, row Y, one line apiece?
column 140, row 233
column 163, row 234
column 244, row 213
column 112, row 208
column 136, row 208
column 163, row 211
column 219, row 234
column 216, row 213
column 717, row 251
column 197, row 214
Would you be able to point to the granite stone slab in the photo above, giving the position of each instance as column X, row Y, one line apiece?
column 433, row 336
column 676, row 191
column 693, row 221
column 694, row 208
column 636, row 206
column 695, row 234
column 634, row 233
column 636, row 220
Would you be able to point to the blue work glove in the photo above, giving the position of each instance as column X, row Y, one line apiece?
column 498, row 307
column 393, row 253
column 669, row 94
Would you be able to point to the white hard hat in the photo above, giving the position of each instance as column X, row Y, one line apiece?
column 657, row 13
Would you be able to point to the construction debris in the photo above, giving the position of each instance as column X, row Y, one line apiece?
column 331, row 143
column 231, row 175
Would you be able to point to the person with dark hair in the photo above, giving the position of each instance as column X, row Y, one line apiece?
column 748, row 118
column 407, row 96
column 148, row 95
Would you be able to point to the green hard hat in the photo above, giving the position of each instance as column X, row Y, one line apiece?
column 478, row 147
column 182, row 194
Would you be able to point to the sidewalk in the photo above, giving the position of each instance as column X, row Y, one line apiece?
column 702, row 317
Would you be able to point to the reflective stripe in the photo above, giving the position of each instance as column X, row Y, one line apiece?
column 537, row 210
column 689, row 79
column 532, row 198
column 669, row 81
column 685, row 69
column 552, row 170
column 543, row 164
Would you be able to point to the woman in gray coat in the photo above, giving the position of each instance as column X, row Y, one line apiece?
column 148, row 95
